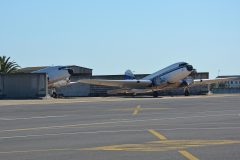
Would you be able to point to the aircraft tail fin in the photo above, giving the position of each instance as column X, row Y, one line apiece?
column 129, row 75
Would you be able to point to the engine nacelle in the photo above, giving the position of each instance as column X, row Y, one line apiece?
column 158, row 81
column 183, row 84
column 186, row 82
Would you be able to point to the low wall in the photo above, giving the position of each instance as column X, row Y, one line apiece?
column 23, row 86
column 226, row 90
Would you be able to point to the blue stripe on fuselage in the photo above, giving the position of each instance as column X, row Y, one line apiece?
column 163, row 74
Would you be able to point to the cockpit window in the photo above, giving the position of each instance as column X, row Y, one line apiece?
column 60, row 68
column 182, row 64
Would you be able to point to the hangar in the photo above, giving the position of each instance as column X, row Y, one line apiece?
column 73, row 90
column 25, row 84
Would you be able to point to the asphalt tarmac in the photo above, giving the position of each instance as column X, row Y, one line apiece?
column 143, row 128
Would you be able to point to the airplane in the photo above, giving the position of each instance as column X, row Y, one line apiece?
column 57, row 76
column 173, row 76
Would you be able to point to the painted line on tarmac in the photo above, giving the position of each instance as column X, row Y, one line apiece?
column 5, row 103
column 129, row 109
column 164, row 146
column 157, row 134
column 26, row 118
column 102, row 115
column 136, row 110
column 72, row 133
column 115, row 131
column 41, row 150
column 155, row 146
column 105, row 132
column 188, row 155
column 110, row 122
column 185, row 153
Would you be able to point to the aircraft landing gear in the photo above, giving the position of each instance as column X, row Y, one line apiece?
column 155, row 94
column 186, row 92
column 54, row 95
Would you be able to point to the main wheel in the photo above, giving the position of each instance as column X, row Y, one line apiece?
column 155, row 94
column 186, row 92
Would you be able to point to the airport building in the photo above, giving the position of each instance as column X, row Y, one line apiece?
column 231, row 83
column 25, row 84
column 231, row 86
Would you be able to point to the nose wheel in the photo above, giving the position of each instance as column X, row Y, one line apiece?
column 54, row 95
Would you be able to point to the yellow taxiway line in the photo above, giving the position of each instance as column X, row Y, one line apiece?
column 185, row 153
column 136, row 110
column 157, row 134
column 188, row 155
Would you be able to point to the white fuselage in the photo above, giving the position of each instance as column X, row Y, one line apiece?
column 57, row 76
column 171, row 74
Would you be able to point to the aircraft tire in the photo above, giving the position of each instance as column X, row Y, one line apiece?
column 186, row 92
column 54, row 95
column 155, row 94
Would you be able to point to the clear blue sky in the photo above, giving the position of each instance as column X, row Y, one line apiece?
column 111, row 36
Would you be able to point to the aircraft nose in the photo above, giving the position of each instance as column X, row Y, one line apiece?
column 190, row 68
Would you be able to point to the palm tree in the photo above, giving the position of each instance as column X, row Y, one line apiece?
column 7, row 66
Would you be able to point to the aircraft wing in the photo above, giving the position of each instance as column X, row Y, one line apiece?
column 163, row 86
column 118, row 83
column 211, row 81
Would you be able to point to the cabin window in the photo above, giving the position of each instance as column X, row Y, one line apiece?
column 182, row 64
